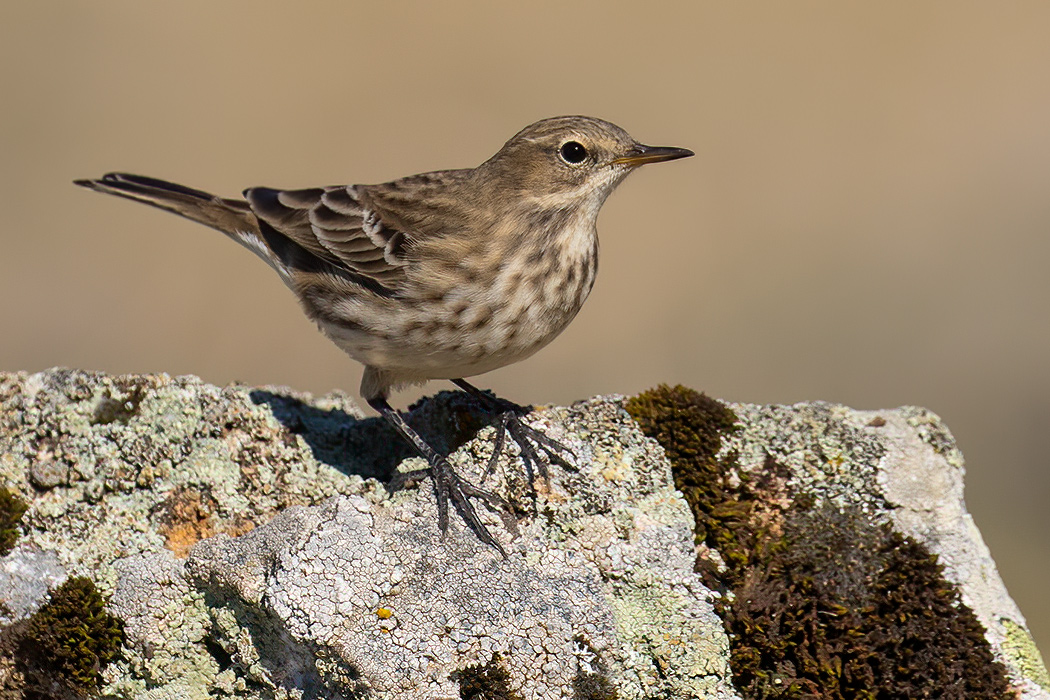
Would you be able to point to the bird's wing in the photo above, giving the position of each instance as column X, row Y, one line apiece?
column 333, row 224
column 369, row 231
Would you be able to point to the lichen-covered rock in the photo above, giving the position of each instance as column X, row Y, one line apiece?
column 246, row 541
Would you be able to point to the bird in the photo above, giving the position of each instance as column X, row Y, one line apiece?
column 441, row 275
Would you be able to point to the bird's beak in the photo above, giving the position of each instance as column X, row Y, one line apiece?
column 640, row 155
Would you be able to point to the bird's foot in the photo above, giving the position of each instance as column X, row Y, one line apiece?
column 532, row 443
column 451, row 487
column 448, row 485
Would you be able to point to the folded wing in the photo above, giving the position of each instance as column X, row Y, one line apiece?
column 334, row 225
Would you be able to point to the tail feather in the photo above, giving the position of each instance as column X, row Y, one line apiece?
column 232, row 217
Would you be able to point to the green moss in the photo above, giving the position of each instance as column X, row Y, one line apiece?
column 689, row 426
column 485, row 682
column 66, row 644
column 12, row 508
column 826, row 603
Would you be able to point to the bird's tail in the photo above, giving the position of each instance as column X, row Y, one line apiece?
column 232, row 217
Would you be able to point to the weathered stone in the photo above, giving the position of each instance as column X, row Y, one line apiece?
column 246, row 542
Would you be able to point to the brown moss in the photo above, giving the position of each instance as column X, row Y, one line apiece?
column 827, row 603
column 66, row 644
column 689, row 426
column 485, row 682
column 12, row 508
column 592, row 677
column 849, row 609
column 593, row 686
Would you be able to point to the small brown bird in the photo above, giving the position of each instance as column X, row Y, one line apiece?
column 442, row 275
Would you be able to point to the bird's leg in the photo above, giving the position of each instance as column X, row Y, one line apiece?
column 448, row 486
column 530, row 440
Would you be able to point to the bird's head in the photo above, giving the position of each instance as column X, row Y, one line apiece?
column 570, row 159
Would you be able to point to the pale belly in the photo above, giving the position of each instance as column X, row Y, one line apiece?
column 469, row 332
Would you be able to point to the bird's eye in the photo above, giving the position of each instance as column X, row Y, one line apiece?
column 573, row 152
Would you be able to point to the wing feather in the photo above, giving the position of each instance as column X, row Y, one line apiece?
column 340, row 200
column 333, row 224
column 299, row 199
column 369, row 230
column 324, row 217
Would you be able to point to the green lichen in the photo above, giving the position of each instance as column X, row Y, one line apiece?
column 1021, row 648
column 12, row 508
column 485, row 682
column 825, row 603
column 66, row 644
column 932, row 430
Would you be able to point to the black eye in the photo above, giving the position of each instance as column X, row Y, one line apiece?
column 573, row 152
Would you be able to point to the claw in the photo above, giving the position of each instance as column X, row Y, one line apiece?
column 531, row 442
column 448, row 486
column 528, row 453
column 501, row 437
column 536, row 451
column 451, row 487
column 551, row 447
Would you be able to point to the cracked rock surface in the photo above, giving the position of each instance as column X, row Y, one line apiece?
column 247, row 540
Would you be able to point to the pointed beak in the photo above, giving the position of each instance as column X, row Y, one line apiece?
column 640, row 155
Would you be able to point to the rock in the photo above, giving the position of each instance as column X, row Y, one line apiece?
column 245, row 538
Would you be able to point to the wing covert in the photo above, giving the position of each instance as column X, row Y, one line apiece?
column 333, row 224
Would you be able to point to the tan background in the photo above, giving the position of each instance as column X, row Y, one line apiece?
column 866, row 220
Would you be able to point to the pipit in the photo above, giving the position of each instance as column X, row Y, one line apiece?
column 442, row 275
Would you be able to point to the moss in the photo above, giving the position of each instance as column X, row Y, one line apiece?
column 485, row 682
column 849, row 609
column 826, row 603
column 65, row 646
column 12, row 508
column 690, row 426
column 593, row 686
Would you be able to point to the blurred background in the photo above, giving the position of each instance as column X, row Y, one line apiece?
column 866, row 220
